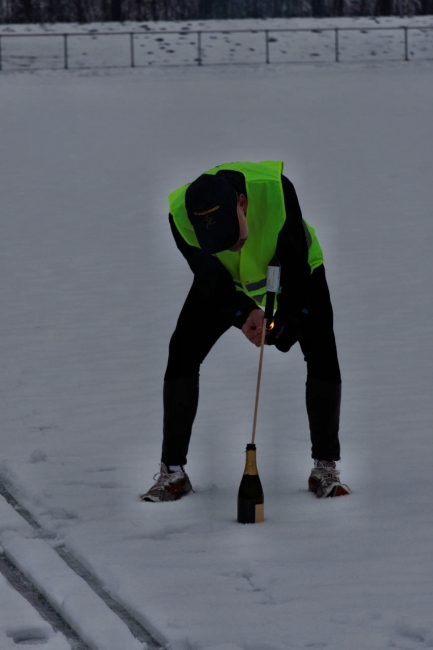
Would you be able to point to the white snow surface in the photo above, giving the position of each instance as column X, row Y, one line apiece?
column 21, row 625
column 77, row 603
column 92, row 285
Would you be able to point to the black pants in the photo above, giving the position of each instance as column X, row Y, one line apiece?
column 188, row 349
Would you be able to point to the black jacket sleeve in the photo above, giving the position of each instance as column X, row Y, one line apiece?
column 213, row 280
column 292, row 252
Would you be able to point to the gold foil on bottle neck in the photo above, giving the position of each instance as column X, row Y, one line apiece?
column 250, row 463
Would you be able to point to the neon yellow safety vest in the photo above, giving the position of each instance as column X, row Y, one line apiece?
column 266, row 215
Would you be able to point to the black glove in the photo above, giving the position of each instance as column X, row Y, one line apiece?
column 287, row 330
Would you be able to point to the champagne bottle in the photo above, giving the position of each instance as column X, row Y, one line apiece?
column 250, row 495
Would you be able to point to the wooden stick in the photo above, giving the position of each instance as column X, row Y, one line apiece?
column 259, row 375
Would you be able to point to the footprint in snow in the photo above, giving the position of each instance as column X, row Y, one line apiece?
column 38, row 456
column 412, row 635
column 28, row 636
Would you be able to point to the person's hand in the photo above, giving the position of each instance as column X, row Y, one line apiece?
column 286, row 331
column 253, row 326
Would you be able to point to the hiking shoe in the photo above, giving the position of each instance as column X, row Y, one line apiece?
column 169, row 486
column 324, row 481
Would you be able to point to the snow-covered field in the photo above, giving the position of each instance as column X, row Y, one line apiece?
column 215, row 42
column 91, row 287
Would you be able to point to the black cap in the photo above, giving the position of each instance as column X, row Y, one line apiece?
column 211, row 204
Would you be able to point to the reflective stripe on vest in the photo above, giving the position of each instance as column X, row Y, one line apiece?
column 265, row 217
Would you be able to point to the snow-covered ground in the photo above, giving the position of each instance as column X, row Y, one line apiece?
column 219, row 42
column 21, row 625
column 91, row 287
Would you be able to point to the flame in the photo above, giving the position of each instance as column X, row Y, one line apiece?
column 271, row 325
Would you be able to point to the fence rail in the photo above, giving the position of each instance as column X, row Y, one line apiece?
column 200, row 57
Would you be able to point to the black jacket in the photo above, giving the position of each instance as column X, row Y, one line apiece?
column 292, row 253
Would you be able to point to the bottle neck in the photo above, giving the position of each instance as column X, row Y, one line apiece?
column 250, row 461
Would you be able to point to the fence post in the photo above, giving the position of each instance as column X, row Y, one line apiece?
column 406, row 44
column 65, row 50
column 267, row 45
column 198, row 48
column 337, row 46
column 131, row 35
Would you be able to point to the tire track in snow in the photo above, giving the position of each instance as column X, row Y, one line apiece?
column 24, row 587
column 30, row 591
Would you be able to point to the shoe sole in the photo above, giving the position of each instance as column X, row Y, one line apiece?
column 339, row 490
column 169, row 495
column 335, row 490
column 143, row 497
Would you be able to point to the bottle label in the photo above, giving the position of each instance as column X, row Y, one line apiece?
column 260, row 513
column 250, row 513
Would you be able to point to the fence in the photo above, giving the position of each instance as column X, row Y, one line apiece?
column 202, row 55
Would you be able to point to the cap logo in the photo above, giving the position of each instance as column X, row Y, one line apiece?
column 202, row 214
column 209, row 222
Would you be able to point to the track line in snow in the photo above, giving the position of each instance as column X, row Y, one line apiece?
column 33, row 585
column 24, row 587
column 135, row 627
column 25, row 514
